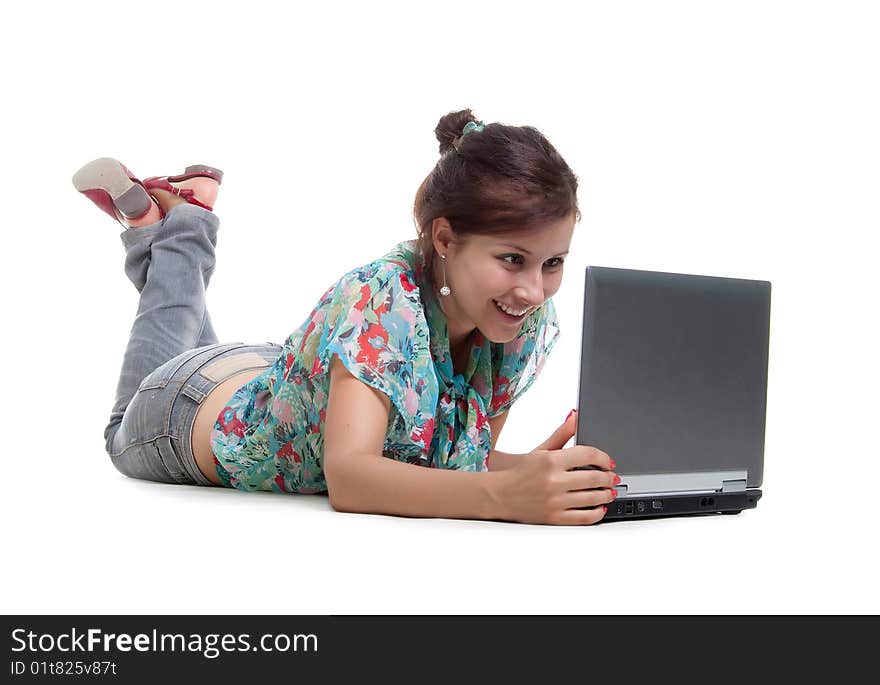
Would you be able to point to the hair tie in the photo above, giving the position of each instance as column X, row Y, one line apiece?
column 468, row 127
column 471, row 126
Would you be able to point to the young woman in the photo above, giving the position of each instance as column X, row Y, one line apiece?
column 409, row 361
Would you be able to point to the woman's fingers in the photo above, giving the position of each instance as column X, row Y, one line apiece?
column 561, row 435
column 583, row 508
column 585, row 455
column 576, row 517
column 585, row 498
column 590, row 478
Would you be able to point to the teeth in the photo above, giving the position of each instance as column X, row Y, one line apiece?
column 507, row 310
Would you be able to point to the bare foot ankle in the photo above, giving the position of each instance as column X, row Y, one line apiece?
column 204, row 189
column 166, row 199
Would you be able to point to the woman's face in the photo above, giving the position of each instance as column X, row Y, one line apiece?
column 520, row 270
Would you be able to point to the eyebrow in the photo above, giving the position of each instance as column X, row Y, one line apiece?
column 522, row 249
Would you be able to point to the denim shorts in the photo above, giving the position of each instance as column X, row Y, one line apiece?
column 154, row 439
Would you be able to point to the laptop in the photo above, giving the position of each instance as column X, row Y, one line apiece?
column 673, row 387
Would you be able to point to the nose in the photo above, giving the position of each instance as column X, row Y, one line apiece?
column 530, row 289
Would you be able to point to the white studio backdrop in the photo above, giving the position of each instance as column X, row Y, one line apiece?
column 726, row 138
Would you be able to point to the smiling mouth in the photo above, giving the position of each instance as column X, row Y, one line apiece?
column 512, row 317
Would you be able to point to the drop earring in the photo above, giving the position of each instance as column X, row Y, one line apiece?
column 444, row 291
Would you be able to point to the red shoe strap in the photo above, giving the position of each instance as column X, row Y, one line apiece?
column 186, row 193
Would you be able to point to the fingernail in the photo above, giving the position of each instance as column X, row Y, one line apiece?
column 613, row 465
column 604, row 510
column 616, row 479
column 613, row 492
column 570, row 413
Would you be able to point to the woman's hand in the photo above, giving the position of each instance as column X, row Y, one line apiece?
column 543, row 488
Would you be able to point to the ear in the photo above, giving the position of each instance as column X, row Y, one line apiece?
column 442, row 235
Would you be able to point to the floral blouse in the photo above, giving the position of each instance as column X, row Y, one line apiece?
column 390, row 333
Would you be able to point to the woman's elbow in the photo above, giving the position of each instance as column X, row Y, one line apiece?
column 337, row 492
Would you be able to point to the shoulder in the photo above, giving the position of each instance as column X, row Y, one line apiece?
column 378, row 305
column 384, row 285
column 376, row 325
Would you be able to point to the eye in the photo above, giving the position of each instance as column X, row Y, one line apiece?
column 558, row 260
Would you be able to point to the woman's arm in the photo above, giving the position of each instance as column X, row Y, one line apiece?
column 360, row 479
column 374, row 484
column 543, row 488
column 499, row 461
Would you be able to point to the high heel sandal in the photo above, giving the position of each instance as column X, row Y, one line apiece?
column 178, row 184
column 114, row 189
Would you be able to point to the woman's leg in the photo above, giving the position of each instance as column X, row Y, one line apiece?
column 170, row 263
column 208, row 336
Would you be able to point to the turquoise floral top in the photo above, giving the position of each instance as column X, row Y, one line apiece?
column 386, row 325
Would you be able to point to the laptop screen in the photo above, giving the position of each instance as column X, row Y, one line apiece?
column 673, row 375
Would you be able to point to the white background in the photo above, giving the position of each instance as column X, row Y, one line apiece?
column 720, row 138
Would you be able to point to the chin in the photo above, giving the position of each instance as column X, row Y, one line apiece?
column 500, row 336
column 497, row 332
column 503, row 341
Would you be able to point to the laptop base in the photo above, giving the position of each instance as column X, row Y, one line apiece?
column 657, row 506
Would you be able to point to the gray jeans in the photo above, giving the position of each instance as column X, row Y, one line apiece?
column 173, row 358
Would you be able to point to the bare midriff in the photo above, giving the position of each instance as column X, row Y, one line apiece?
column 206, row 416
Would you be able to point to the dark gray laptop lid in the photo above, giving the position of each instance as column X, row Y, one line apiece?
column 674, row 371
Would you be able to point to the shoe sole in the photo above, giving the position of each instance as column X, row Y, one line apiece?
column 198, row 170
column 107, row 174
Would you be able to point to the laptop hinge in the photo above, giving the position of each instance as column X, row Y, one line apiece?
column 681, row 483
column 736, row 485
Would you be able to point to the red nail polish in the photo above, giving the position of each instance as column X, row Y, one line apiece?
column 613, row 492
column 613, row 465
column 569, row 415
column 616, row 480
column 604, row 510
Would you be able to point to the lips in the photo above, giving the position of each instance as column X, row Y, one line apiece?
column 512, row 320
column 525, row 310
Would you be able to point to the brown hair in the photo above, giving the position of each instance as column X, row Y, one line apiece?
column 492, row 181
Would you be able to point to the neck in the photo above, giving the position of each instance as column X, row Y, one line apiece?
column 460, row 337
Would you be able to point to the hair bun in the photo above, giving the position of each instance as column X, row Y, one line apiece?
column 449, row 130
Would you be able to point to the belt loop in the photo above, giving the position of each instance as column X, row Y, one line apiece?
column 193, row 393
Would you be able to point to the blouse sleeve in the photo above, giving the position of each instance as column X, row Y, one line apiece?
column 375, row 327
column 517, row 363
